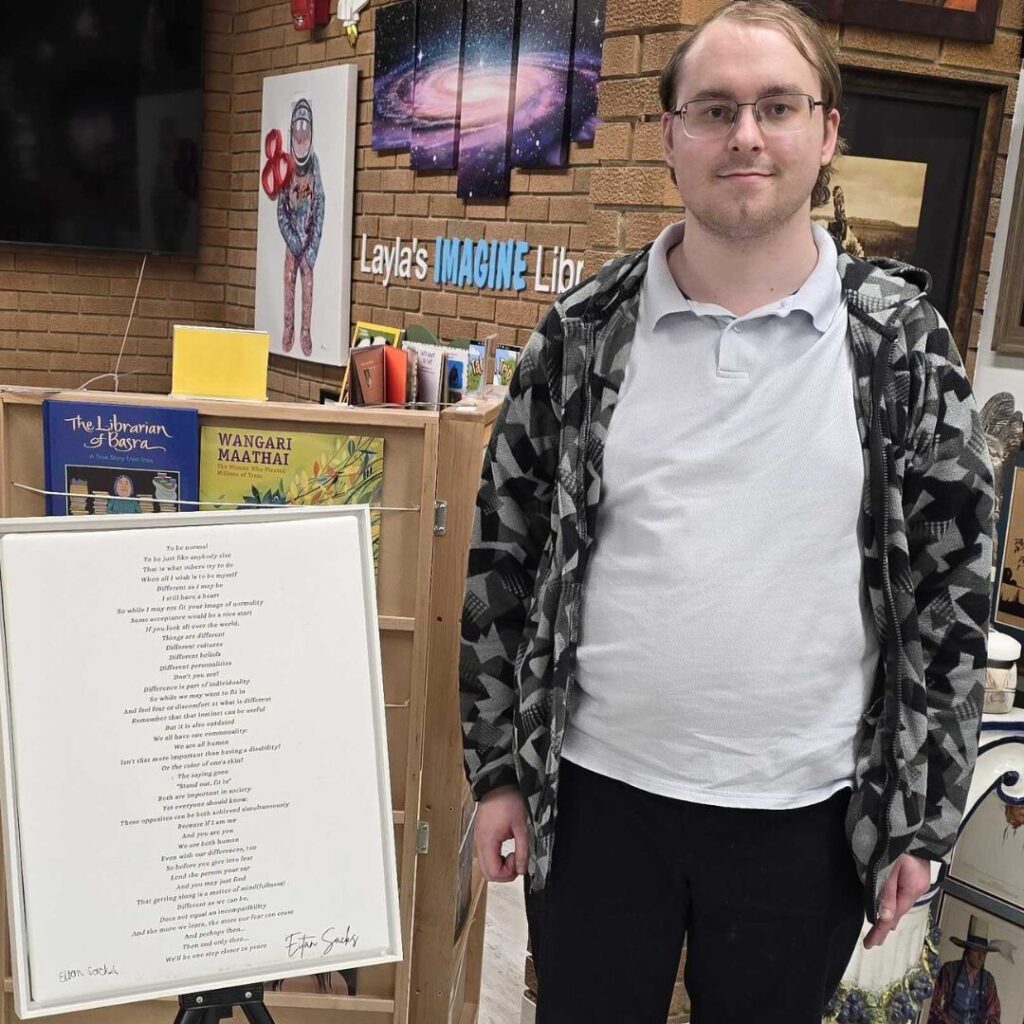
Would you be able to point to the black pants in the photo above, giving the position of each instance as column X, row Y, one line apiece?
column 769, row 903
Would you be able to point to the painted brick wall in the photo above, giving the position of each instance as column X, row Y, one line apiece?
column 63, row 313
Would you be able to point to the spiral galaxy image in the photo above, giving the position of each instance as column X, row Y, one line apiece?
column 482, row 86
column 539, row 137
column 393, row 76
column 438, row 84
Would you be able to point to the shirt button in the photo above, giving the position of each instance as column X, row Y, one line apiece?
column 739, row 328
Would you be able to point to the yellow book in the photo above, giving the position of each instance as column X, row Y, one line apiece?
column 220, row 362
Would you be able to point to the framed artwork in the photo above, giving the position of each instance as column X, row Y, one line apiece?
column 978, row 979
column 1008, row 332
column 1008, row 613
column 304, row 213
column 973, row 20
column 989, row 854
column 915, row 182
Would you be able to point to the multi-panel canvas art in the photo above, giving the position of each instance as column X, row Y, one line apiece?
column 482, row 86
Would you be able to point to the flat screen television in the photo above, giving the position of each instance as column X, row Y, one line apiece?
column 101, row 124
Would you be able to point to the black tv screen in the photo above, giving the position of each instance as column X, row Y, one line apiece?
column 100, row 122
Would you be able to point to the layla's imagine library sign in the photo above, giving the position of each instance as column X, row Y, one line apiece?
column 468, row 262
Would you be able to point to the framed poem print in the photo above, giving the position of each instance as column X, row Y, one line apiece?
column 973, row 20
column 916, row 179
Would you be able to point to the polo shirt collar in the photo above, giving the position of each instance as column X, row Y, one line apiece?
column 819, row 296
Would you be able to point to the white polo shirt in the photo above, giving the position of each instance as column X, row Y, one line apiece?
column 727, row 649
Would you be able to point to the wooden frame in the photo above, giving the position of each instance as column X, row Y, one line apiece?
column 417, row 616
column 1008, row 331
column 955, row 281
column 923, row 17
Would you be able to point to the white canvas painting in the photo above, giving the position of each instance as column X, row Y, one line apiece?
column 304, row 236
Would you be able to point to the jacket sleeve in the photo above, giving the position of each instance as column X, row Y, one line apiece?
column 948, row 496
column 511, row 525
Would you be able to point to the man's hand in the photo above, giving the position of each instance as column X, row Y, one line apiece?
column 909, row 880
column 501, row 816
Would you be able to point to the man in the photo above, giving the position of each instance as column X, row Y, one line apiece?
column 965, row 993
column 728, row 584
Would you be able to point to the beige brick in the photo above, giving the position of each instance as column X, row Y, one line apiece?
column 476, row 307
column 579, row 237
column 658, row 48
column 439, row 303
column 621, row 56
column 515, row 313
column 692, row 12
column 404, row 298
column 893, row 44
column 395, row 227
column 571, row 209
column 629, row 97
column 626, row 15
column 1003, row 54
column 547, row 234
column 398, row 180
column 612, row 141
column 377, row 202
column 412, row 206
column 628, row 186
column 647, row 142
column 604, row 229
column 639, row 228
column 1011, row 14
column 529, row 208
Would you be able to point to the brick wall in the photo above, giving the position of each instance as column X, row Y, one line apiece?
column 62, row 312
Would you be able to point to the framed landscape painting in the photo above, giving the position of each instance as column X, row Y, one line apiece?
column 915, row 183
column 973, row 20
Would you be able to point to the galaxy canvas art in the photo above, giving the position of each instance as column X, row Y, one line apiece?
column 437, row 84
column 586, row 69
column 393, row 75
column 480, row 86
column 487, row 96
column 539, row 137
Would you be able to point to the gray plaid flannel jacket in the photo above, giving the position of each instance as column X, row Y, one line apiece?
column 926, row 515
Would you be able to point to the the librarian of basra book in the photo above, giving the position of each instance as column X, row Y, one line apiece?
column 114, row 459
column 240, row 467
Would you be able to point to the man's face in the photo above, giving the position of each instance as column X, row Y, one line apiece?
column 748, row 183
column 975, row 959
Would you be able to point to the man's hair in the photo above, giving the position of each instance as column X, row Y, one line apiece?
column 806, row 35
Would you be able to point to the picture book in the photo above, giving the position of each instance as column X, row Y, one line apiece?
column 241, row 467
column 106, row 459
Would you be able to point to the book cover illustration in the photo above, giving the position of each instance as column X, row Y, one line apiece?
column 241, row 467
column 119, row 459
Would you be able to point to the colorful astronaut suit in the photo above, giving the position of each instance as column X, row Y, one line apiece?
column 300, row 217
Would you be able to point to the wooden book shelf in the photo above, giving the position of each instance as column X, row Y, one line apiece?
column 432, row 466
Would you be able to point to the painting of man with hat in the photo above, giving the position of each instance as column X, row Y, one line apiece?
column 965, row 993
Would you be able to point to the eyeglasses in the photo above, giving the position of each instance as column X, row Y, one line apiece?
column 778, row 114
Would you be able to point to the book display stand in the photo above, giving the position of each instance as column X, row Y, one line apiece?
column 432, row 464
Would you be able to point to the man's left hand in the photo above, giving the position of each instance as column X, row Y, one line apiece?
column 909, row 880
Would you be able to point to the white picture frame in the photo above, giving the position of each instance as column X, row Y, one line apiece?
column 61, row 775
column 331, row 96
